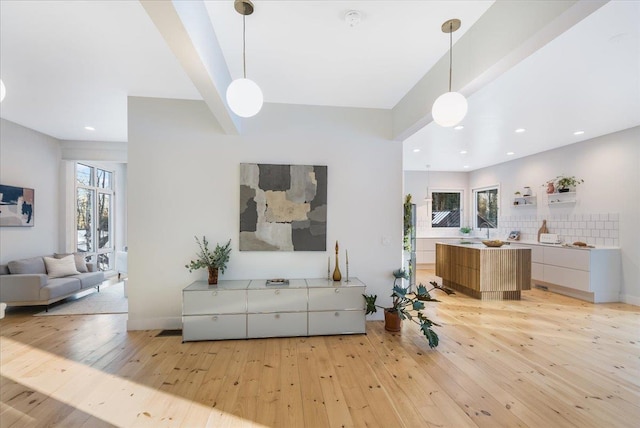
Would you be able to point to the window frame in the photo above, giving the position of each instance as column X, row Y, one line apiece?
column 95, row 254
column 474, row 204
column 430, row 209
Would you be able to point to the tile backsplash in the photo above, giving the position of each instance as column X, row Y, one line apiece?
column 594, row 229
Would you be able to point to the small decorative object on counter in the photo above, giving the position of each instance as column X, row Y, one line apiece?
column 346, row 255
column 550, row 187
column 337, row 276
column 527, row 191
column 543, row 229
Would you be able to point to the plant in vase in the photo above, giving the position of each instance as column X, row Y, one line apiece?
column 465, row 230
column 214, row 261
column 407, row 305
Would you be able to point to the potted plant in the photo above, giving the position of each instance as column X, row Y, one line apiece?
column 564, row 182
column 407, row 305
column 214, row 261
column 465, row 230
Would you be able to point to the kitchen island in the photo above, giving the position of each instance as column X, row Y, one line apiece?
column 483, row 272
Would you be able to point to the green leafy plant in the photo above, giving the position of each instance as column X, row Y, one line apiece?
column 563, row 182
column 208, row 259
column 409, row 305
column 465, row 229
column 407, row 227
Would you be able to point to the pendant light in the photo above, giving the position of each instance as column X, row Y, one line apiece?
column 428, row 197
column 244, row 95
column 451, row 107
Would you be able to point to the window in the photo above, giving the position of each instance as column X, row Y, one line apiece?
column 446, row 209
column 94, row 219
column 486, row 207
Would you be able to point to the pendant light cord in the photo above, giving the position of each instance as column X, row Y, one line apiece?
column 244, row 59
column 450, row 51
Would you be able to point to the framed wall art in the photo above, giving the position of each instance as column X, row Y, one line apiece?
column 17, row 206
column 283, row 207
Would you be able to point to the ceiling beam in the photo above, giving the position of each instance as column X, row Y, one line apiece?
column 506, row 34
column 188, row 31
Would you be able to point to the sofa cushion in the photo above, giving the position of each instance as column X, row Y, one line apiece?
column 90, row 279
column 81, row 264
column 58, row 268
column 57, row 287
column 32, row 265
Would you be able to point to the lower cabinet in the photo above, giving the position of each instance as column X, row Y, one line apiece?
column 251, row 309
column 214, row 327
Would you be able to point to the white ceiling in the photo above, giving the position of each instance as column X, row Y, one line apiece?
column 69, row 64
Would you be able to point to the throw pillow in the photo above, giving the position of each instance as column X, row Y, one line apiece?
column 30, row 266
column 58, row 268
column 81, row 264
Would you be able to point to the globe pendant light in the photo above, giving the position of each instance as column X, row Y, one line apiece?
column 244, row 96
column 451, row 107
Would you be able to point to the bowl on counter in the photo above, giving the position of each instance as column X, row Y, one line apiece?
column 494, row 243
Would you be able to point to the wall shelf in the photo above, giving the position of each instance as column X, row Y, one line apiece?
column 561, row 198
column 525, row 201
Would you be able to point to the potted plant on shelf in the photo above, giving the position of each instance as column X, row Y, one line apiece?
column 214, row 261
column 562, row 183
column 407, row 305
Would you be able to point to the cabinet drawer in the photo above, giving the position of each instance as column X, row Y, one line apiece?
column 277, row 325
column 336, row 322
column 336, row 298
column 277, row 300
column 537, row 271
column 214, row 327
column 569, row 258
column 571, row 278
column 214, row 302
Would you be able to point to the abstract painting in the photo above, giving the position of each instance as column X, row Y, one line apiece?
column 283, row 207
column 16, row 206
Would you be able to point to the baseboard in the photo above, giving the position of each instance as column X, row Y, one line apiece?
column 166, row 323
column 632, row 300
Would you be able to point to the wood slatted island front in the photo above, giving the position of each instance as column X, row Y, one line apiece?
column 483, row 272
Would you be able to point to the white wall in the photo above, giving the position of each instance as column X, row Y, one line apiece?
column 183, row 180
column 610, row 167
column 30, row 159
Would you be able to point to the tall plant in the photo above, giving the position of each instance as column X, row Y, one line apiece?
column 407, row 222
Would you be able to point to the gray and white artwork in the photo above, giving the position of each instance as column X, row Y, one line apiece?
column 17, row 206
column 283, row 207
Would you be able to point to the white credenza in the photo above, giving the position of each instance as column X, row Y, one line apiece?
column 591, row 274
column 240, row 309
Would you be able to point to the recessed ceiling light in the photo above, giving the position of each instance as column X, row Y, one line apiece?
column 578, row 133
column 463, row 152
column 510, row 153
column 416, row 150
column 459, row 127
column 89, row 128
column 466, row 166
column 520, row 130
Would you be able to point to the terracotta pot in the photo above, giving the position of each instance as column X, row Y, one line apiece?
column 392, row 321
column 213, row 275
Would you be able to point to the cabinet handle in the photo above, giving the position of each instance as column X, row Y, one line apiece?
column 277, row 291
column 277, row 316
column 337, row 314
column 337, row 290
column 215, row 318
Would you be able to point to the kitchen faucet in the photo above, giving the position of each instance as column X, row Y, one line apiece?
column 488, row 229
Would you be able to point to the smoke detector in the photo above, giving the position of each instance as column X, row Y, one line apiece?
column 352, row 18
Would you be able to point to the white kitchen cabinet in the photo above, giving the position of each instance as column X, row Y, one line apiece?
column 591, row 274
column 426, row 249
column 250, row 308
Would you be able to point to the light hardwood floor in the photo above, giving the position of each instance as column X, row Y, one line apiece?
column 545, row 361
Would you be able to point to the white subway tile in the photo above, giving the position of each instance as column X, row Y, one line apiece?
column 599, row 225
column 614, row 216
